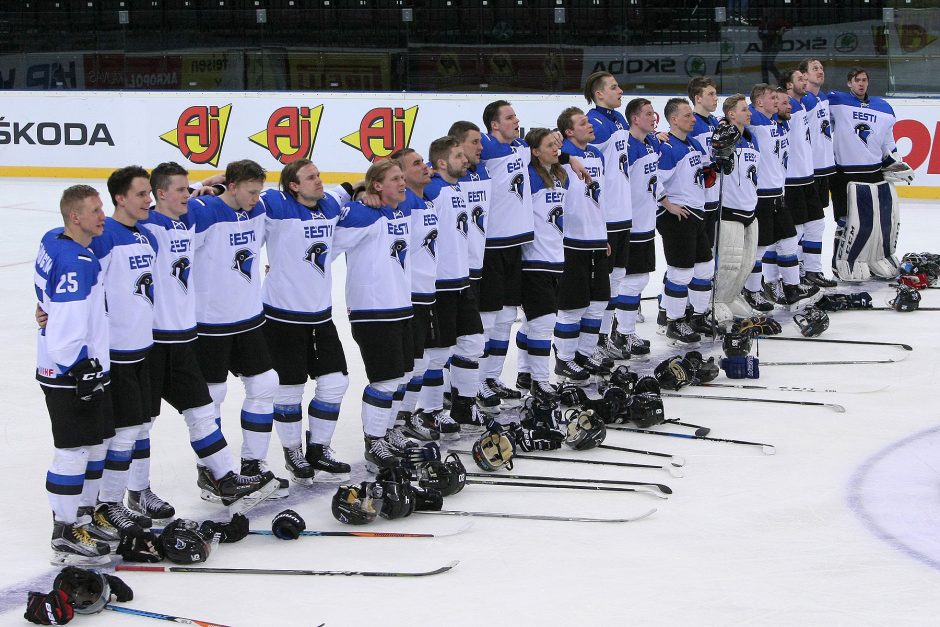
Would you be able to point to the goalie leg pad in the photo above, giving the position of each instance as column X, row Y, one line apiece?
column 858, row 235
column 732, row 255
column 882, row 262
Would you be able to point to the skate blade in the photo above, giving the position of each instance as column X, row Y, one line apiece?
column 70, row 559
column 422, row 437
column 451, row 437
column 210, row 497
column 490, row 411
column 681, row 344
column 301, row 480
column 580, row 384
column 470, row 430
column 256, row 498
column 330, row 477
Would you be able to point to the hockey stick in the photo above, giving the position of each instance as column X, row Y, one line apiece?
column 598, row 488
column 453, row 512
column 279, row 571
column 833, row 406
column 717, row 235
column 699, row 429
column 675, row 460
column 365, row 534
column 889, row 309
column 847, row 362
column 169, row 617
column 769, row 449
column 570, row 460
column 661, row 487
column 778, row 338
column 783, row 388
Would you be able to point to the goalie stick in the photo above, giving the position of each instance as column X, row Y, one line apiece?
column 661, row 487
column 768, row 449
column 597, row 488
column 281, row 571
column 366, row 534
column 454, row 512
column 777, row 338
column 833, row 406
column 158, row 616
column 570, row 460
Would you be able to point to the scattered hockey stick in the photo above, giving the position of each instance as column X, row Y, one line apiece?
column 675, row 460
column 777, row 338
column 769, row 449
column 172, row 619
column 453, row 512
column 888, row 309
column 846, row 362
column 570, row 460
column 843, row 389
column 596, row 488
column 680, row 461
column 366, row 534
column 661, row 487
column 280, row 571
column 699, row 429
column 833, row 406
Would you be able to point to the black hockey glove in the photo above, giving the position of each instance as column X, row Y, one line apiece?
column 287, row 525
column 146, row 548
column 119, row 590
column 415, row 457
column 428, row 500
column 538, row 439
column 90, row 379
column 52, row 608
column 757, row 325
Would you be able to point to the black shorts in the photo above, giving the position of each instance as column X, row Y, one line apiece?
column 243, row 354
column 584, row 279
column 387, row 348
column 642, row 257
column 729, row 214
column 711, row 219
column 684, row 241
column 501, row 284
column 175, row 376
column 422, row 330
column 822, row 190
column 839, row 188
column 803, row 203
column 76, row 422
column 539, row 293
column 456, row 314
column 299, row 351
column 619, row 242
column 774, row 221
column 130, row 393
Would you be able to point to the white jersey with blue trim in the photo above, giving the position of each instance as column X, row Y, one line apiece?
column 227, row 268
column 820, row 132
column 611, row 132
column 644, row 183
column 800, row 163
column 771, row 139
column 478, row 188
column 299, row 239
column 510, row 215
column 174, row 310
column 702, row 133
column 740, row 187
column 70, row 289
column 453, row 233
column 423, row 245
column 546, row 252
column 863, row 132
column 681, row 176
column 378, row 281
column 585, row 226
column 127, row 257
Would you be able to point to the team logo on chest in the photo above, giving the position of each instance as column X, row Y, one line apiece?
column 316, row 256
column 825, row 129
column 180, row 271
column 809, row 140
column 463, row 223
column 593, row 191
column 863, row 131
column 430, row 243
column 517, row 184
column 752, row 175
column 144, row 287
column 651, row 185
column 625, row 165
column 699, row 178
column 786, row 158
column 399, row 251
column 479, row 217
column 556, row 218
column 242, row 263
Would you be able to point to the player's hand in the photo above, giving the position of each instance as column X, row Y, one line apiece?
column 580, row 171
column 609, row 251
column 662, row 136
column 371, row 200
column 41, row 317
column 677, row 210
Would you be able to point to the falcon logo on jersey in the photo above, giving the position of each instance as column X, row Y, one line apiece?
column 399, row 251
column 786, row 158
column 809, row 140
column 752, row 175
column 863, row 131
column 826, row 129
column 144, row 287
column 479, row 217
column 625, row 165
column 556, row 217
column 316, row 256
column 463, row 223
column 651, row 185
column 382, row 131
column 430, row 243
column 593, row 191
column 199, row 133
column 517, row 185
column 699, row 178
column 242, row 262
column 777, row 148
column 180, row 271
column 291, row 133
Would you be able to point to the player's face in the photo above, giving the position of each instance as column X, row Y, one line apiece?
column 767, row 102
column 740, row 115
column 136, row 203
column 799, row 84
column 175, row 197
column 609, row 95
column 582, row 131
column 472, row 147
column 392, row 187
column 309, row 185
column 783, row 106
column 506, row 124
column 89, row 218
column 645, row 120
column 417, row 173
column 859, row 85
column 816, row 73
column 709, row 99
column 456, row 163
column 683, row 119
column 547, row 151
column 246, row 194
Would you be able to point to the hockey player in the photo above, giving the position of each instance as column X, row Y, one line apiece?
column 300, row 223
column 584, row 286
column 229, row 234
column 682, row 181
column 174, row 368
column 378, row 297
column 73, row 371
column 703, row 92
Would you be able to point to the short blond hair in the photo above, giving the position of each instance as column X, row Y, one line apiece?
column 73, row 197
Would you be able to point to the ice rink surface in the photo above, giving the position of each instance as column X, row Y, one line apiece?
column 840, row 527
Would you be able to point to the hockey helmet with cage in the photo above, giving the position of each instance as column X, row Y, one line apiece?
column 88, row 590
column 672, row 374
column 448, row 476
column 352, row 504
column 494, row 450
column 586, row 430
column 907, row 299
column 646, row 385
column 184, row 543
column 646, row 410
column 812, row 322
column 737, row 344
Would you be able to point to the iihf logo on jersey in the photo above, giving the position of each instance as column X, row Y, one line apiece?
column 316, row 256
column 826, row 129
column 593, row 191
column 625, row 165
column 863, row 131
column 556, row 217
column 463, row 223
column 399, row 251
column 699, row 178
column 478, row 216
column 752, row 175
column 199, row 133
column 242, row 262
column 180, row 271
column 517, row 185
column 430, row 243
column 144, row 287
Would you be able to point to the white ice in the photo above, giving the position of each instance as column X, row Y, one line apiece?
column 838, row 528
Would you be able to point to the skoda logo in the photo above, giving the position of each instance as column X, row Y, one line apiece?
column 846, row 42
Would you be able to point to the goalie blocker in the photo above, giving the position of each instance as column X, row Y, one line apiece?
column 866, row 239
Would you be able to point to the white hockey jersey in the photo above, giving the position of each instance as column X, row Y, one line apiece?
column 644, row 182
column 478, row 188
column 610, row 137
column 227, row 269
column 863, row 132
column 702, row 133
column 174, row 309
column 69, row 288
column 509, row 222
column 740, row 187
column 820, row 132
column 546, row 252
column 585, row 225
column 772, row 141
column 800, row 167
column 127, row 257
column 681, row 174
column 453, row 233
column 423, row 245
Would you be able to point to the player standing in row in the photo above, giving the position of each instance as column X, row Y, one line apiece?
column 230, row 231
column 703, row 92
column 300, row 224
column 72, row 367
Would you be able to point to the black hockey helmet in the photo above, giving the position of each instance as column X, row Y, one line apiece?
column 394, row 494
column 87, row 590
column 184, row 543
column 646, row 410
column 447, row 477
column 724, row 138
column 352, row 504
column 672, row 374
column 736, row 344
column 646, row 385
column 812, row 322
column 493, row 451
column 571, row 395
column 538, row 413
column 585, row 431
column 701, row 370
column 907, row 299
column 623, row 378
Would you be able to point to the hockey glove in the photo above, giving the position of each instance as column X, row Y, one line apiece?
column 119, row 590
column 571, row 395
column 711, row 176
column 898, row 171
column 287, row 525
column 428, row 500
column 757, row 325
column 739, row 367
column 52, row 608
column 90, row 379
column 232, row 531
column 146, row 548
column 701, row 371
column 813, row 322
column 538, row 439
column 917, row 281
column 415, row 457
